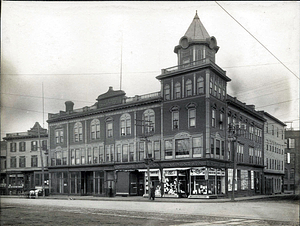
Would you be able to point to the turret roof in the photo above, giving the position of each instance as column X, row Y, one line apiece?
column 196, row 30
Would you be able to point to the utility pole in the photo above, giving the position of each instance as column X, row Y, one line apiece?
column 233, row 133
column 42, row 162
column 147, row 125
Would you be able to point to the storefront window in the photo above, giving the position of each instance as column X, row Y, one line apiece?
column 99, row 182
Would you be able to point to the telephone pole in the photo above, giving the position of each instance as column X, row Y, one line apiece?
column 233, row 133
column 147, row 127
column 42, row 162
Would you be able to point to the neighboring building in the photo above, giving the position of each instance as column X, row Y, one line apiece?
column 3, row 168
column 24, row 167
column 101, row 148
column 248, row 128
column 274, row 144
column 292, row 162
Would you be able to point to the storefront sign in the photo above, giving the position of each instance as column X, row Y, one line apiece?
column 211, row 172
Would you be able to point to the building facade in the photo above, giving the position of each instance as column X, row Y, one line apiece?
column 292, row 162
column 3, row 168
column 274, row 145
column 246, row 150
column 180, row 133
column 23, row 156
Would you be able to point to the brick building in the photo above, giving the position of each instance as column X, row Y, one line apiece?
column 102, row 148
column 23, row 159
column 292, row 162
column 3, row 168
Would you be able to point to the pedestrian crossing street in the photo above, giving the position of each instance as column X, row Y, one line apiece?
column 225, row 222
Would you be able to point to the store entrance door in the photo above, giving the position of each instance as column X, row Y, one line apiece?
column 87, row 183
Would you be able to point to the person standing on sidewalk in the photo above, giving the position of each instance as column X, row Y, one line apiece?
column 152, row 191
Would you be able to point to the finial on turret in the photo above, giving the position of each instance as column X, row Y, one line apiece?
column 196, row 16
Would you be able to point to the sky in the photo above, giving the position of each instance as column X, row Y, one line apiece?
column 75, row 50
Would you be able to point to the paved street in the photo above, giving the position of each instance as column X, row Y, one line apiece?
column 16, row 211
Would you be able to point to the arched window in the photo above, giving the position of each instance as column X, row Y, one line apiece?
column 177, row 90
column 200, row 85
column 149, row 121
column 125, row 123
column 95, row 129
column 188, row 88
column 167, row 92
column 78, row 131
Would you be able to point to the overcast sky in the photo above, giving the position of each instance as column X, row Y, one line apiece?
column 74, row 50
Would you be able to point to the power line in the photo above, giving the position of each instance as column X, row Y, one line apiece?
column 22, row 109
column 50, row 98
column 278, row 103
column 258, row 41
column 267, row 94
column 96, row 73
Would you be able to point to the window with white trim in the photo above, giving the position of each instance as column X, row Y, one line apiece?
column 188, row 88
column 168, row 149
column 177, row 90
column 78, row 132
column 149, row 121
column 95, row 129
column 167, row 92
column 109, row 128
column 197, row 146
column 200, row 85
column 175, row 120
column 125, row 123
column 192, row 117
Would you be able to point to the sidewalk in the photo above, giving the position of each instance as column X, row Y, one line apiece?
column 157, row 199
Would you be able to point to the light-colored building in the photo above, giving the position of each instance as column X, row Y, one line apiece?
column 23, row 159
column 274, row 145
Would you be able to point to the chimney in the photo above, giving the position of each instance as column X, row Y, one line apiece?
column 69, row 106
column 251, row 106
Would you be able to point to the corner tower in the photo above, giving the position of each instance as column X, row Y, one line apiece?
column 196, row 44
